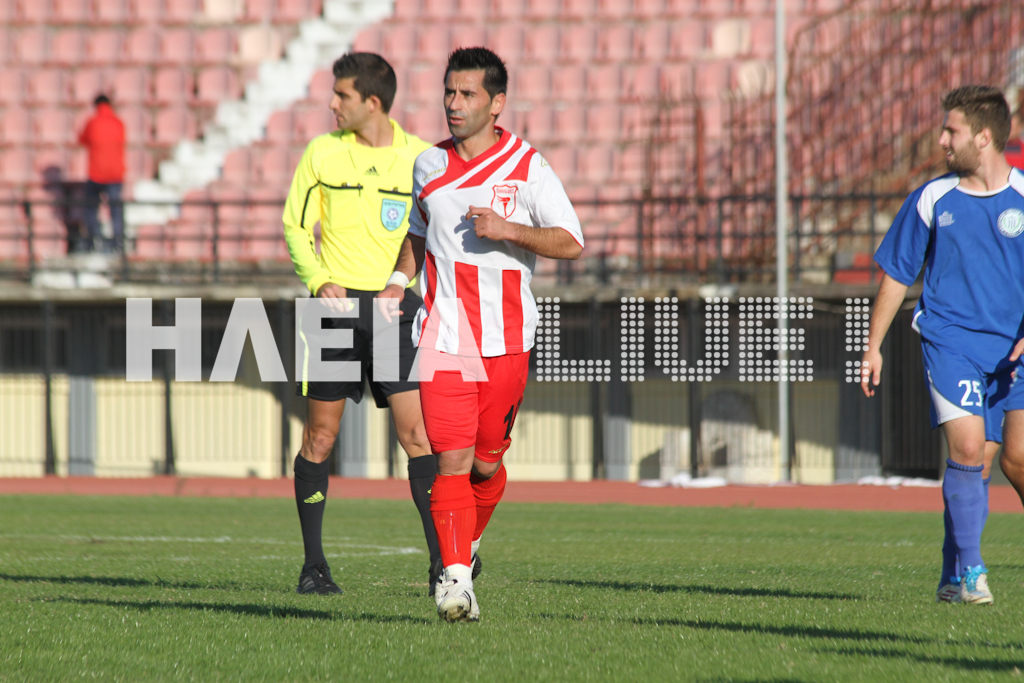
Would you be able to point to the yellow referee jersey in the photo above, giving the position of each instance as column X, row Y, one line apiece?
column 362, row 197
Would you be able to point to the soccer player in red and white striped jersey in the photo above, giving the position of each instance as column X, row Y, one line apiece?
column 486, row 204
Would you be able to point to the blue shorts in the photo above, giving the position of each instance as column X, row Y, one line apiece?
column 960, row 387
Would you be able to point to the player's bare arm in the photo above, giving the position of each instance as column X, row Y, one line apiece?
column 409, row 261
column 552, row 242
column 890, row 297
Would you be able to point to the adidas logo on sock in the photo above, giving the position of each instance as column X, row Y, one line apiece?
column 315, row 498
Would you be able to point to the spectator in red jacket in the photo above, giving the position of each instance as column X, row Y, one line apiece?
column 103, row 136
column 1014, row 150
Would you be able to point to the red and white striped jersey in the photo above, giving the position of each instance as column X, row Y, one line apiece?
column 488, row 280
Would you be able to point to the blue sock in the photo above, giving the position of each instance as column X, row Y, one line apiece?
column 984, row 514
column 964, row 495
column 950, row 561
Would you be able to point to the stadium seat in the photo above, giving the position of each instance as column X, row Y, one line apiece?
column 602, row 124
column 577, row 43
column 103, row 47
column 171, row 85
column 536, row 123
column 214, row 45
column 107, row 12
column 144, row 11
column 615, row 42
column 279, row 129
column 71, row 11
column 32, row 45
column 67, row 47
column 12, row 84
column 130, row 85
column 506, row 39
column 687, row 41
column 175, row 46
column 651, row 41
column 180, row 12
column 46, row 86
column 52, row 126
column 603, row 82
column 142, row 46
column 258, row 11
column 137, row 124
column 313, row 121
column 237, row 168
column 540, row 9
column 541, row 42
column 31, row 11
column 216, row 83
column 173, row 124
column 569, row 124
column 15, row 160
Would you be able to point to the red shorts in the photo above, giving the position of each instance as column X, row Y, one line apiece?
column 459, row 414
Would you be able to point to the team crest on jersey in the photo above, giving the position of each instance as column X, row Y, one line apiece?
column 504, row 200
column 1011, row 222
column 392, row 212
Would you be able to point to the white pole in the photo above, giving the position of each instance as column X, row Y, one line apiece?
column 781, row 241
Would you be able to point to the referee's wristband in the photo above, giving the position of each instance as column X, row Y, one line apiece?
column 398, row 278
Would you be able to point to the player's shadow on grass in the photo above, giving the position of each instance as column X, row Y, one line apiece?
column 972, row 663
column 703, row 589
column 250, row 609
column 120, row 582
column 790, row 631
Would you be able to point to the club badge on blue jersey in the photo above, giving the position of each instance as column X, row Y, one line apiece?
column 392, row 213
column 1011, row 222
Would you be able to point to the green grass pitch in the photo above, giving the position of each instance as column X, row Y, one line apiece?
column 135, row 589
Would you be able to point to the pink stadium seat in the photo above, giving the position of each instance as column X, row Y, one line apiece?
column 130, row 85
column 274, row 166
column 293, row 11
column 578, row 9
column 568, row 124
column 15, row 126
column 52, row 126
column 67, row 47
column 103, row 46
column 640, row 81
column 145, row 11
column 183, row 12
column 46, row 86
column 110, row 11
column 173, row 124
column 258, row 11
column 86, row 84
column 137, row 125
column 214, row 46
column 279, row 128
column 171, row 85
column 139, row 163
column 536, row 123
column 142, row 46
column 12, row 83
column 540, row 9
column 398, row 42
column 237, row 167
column 176, row 46
column 651, row 41
column 562, row 159
column 615, row 42
column 436, row 9
column 650, row 9
column 216, row 83
column 312, row 122
column 535, row 82
column 541, row 42
column 71, row 11
column 32, row 11
column 603, row 82
column 15, row 160
column 602, row 123
column 595, row 161
column 577, row 43
column 32, row 45
column 617, row 10
column 687, row 40
column 506, row 39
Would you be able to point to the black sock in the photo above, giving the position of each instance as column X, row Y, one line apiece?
column 422, row 471
column 311, row 496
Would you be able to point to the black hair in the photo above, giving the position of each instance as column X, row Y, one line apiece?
column 373, row 76
column 473, row 58
column 100, row 99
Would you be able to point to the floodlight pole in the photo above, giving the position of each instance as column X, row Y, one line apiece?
column 781, row 238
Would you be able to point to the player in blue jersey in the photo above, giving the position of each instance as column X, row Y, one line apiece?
column 966, row 228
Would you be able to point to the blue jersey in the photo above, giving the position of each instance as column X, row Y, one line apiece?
column 972, row 248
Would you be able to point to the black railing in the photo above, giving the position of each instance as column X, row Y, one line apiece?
column 697, row 239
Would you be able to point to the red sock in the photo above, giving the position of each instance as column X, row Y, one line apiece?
column 454, row 511
column 487, row 493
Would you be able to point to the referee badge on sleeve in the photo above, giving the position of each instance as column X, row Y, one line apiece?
column 392, row 213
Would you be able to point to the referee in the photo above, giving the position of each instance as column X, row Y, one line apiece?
column 357, row 183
